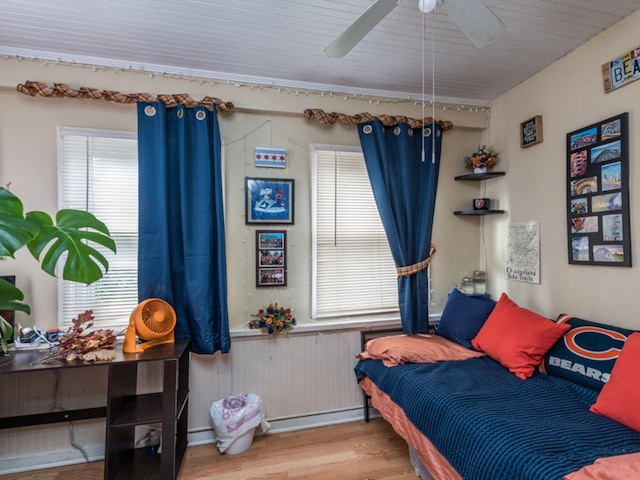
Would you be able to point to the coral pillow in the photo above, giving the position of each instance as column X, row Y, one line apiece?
column 400, row 349
column 463, row 316
column 516, row 337
column 620, row 396
column 618, row 467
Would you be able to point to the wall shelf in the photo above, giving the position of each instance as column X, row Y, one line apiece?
column 480, row 176
column 477, row 177
column 477, row 212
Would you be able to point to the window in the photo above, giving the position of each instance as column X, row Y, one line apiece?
column 353, row 270
column 99, row 173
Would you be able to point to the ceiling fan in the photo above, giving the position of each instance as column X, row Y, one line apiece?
column 479, row 24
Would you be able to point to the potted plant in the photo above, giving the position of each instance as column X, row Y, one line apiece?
column 73, row 233
column 481, row 160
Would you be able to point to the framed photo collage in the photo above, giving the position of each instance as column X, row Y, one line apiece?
column 271, row 258
column 598, row 226
column 270, row 201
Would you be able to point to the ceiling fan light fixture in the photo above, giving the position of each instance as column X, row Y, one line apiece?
column 426, row 6
column 478, row 23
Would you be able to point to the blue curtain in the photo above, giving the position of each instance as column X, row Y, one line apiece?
column 181, row 246
column 404, row 186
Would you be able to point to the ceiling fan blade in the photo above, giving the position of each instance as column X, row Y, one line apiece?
column 479, row 24
column 358, row 29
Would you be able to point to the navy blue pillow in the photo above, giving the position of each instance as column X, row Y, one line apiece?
column 463, row 316
column 586, row 353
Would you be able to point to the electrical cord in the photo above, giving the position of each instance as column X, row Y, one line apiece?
column 55, row 406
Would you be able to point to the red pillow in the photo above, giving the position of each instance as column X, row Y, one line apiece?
column 620, row 396
column 516, row 337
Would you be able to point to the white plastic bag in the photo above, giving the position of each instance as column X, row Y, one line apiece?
column 235, row 415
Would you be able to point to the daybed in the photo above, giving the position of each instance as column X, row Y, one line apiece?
column 501, row 393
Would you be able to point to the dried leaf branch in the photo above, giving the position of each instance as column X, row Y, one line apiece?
column 78, row 341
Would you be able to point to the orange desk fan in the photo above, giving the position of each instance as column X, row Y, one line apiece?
column 152, row 320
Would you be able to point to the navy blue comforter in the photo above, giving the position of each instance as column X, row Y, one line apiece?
column 490, row 425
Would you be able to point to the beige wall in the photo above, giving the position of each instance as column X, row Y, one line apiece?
column 569, row 95
column 267, row 118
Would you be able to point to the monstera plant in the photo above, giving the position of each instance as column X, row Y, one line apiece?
column 74, row 233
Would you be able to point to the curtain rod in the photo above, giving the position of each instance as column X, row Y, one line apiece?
column 326, row 118
column 171, row 100
column 33, row 89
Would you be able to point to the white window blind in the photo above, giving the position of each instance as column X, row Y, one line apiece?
column 99, row 173
column 353, row 271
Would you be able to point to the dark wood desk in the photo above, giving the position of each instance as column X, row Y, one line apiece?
column 125, row 409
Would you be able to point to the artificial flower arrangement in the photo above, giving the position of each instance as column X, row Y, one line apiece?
column 484, row 157
column 83, row 344
column 274, row 320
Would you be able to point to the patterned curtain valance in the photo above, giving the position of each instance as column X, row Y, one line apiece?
column 171, row 100
column 387, row 120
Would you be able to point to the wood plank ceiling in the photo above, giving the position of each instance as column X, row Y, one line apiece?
column 281, row 42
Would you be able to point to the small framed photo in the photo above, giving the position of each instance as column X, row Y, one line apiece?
column 531, row 132
column 269, row 200
column 271, row 258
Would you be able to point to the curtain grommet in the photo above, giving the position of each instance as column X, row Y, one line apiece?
column 150, row 111
column 180, row 113
column 201, row 115
column 367, row 129
column 397, row 131
column 410, row 132
column 427, row 132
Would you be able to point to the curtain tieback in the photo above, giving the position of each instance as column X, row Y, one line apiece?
column 416, row 267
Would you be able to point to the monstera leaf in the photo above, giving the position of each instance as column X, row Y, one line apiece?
column 10, row 297
column 72, row 234
column 15, row 231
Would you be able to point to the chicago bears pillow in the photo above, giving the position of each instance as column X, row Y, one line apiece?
column 586, row 353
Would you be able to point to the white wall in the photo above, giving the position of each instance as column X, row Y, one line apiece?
column 569, row 95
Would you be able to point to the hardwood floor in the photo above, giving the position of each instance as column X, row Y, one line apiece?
column 351, row 451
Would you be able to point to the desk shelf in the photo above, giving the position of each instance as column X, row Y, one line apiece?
column 141, row 461
column 139, row 410
column 126, row 410
column 52, row 417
